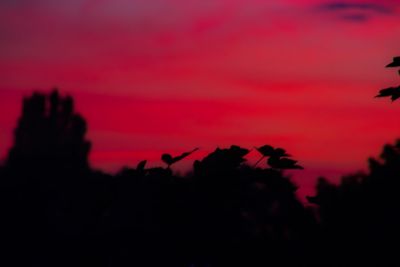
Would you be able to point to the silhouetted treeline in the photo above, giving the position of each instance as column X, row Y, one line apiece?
column 360, row 217
column 58, row 211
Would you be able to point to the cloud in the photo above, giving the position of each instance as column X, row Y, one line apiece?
column 367, row 7
column 357, row 11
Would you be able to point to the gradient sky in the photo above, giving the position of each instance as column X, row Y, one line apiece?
column 170, row 75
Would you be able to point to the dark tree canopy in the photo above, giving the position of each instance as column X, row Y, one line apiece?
column 58, row 211
column 49, row 131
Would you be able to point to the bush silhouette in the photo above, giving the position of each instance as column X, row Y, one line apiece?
column 58, row 211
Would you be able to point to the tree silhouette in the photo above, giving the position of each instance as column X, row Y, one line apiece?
column 223, row 213
column 52, row 200
column 49, row 131
column 58, row 211
column 359, row 217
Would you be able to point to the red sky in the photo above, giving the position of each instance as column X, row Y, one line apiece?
column 170, row 75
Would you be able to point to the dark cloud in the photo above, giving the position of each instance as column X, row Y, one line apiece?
column 346, row 6
column 357, row 11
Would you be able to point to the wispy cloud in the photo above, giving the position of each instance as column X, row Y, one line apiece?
column 346, row 6
column 357, row 11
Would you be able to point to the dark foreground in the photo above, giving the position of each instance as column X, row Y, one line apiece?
column 57, row 211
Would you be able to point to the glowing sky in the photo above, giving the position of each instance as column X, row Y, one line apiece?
column 170, row 75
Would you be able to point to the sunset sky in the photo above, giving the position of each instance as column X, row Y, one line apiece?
column 154, row 76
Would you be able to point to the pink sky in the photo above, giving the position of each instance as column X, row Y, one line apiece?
column 170, row 75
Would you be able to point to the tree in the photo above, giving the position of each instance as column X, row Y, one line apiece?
column 49, row 134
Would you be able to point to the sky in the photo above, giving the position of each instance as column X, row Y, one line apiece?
column 170, row 75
